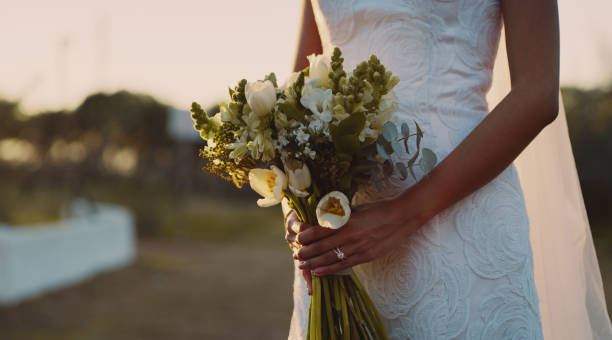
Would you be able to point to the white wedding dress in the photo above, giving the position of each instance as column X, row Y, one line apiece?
column 469, row 272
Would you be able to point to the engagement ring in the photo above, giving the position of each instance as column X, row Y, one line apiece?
column 340, row 254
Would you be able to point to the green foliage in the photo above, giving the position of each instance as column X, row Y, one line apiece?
column 346, row 134
column 388, row 144
column 202, row 123
column 589, row 118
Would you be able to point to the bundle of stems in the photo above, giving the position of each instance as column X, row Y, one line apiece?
column 340, row 308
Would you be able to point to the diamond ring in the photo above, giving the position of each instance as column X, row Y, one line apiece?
column 339, row 253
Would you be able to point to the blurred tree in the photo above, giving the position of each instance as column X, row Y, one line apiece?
column 589, row 117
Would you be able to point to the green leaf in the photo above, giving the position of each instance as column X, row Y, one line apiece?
column 389, row 131
column 428, row 160
column 381, row 151
column 272, row 77
column 405, row 130
column 387, row 168
column 397, row 149
column 400, row 170
column 346, row 134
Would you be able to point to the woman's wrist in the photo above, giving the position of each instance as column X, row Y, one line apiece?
column 416, row 205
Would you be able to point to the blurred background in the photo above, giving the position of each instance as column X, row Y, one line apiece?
column 109, row 229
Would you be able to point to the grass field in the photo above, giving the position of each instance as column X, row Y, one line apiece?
column 174, row 290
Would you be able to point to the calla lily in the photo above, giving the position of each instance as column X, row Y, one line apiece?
column 261, row 97
column 269, row 184
column 333, row 210
column 299, row 177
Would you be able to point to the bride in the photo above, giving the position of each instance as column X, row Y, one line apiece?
column 451, row 256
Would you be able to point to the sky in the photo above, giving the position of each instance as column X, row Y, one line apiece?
column 54, row 53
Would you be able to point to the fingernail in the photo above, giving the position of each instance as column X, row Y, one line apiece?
column 318, row 272
column 303, row 265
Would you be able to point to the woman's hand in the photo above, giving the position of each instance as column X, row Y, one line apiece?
column 370, row 233
column 293, row 227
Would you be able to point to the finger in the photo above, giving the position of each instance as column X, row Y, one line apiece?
column 296, row 226
column 338, row 266
column 308, row 278
column 290, row 237
column 314, row 234
column 321, row 246
column 328, row 258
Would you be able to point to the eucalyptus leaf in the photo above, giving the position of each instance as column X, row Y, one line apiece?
column 381, row 151
column 389, row 131
column 387, row 168
column 428, row 160
column 400, row 169
column 405, row 130
column 397, row 148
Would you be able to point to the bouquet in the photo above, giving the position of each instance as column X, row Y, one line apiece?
column 313, row 143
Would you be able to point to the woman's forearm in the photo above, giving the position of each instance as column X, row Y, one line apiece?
column 484, row 153
column 532, row 41
column 309, row 40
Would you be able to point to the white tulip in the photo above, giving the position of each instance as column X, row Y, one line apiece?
column 299, row 176
column 320, row 66
column 261, row 97
column 269, row 184
column 333, row 210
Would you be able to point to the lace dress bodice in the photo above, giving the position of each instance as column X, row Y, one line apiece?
column 468, row 273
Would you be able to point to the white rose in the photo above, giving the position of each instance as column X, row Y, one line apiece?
column 269, row 184
column 261, row 97
column 299, row 176
column 333, row 210
column 320, row 66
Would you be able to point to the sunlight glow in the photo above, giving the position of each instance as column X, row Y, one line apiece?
column 54, row 53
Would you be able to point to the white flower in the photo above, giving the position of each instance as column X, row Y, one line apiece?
column 261, row 97
column 252, row 122
column 301, row 136
column 262, row 146
column 368, row 132
column 269, row 184
column 317, row 101
column 388, row 105
column 299, row 176
column 316, row 126
column 333, row 210
column 310, row 153
column 320, row 66
column 239, row 148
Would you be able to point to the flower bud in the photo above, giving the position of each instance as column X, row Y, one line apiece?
column 320, row 66
column 333, row 210
column 261, row 97
column 269, row 184
column 299, row 176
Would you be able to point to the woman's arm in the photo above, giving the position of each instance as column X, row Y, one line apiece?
column 309, row 42
column 533, row 53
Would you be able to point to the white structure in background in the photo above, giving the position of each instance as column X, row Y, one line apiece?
column 37, row 259
column 180, row 126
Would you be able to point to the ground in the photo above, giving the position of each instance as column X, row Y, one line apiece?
column 179, row 291
column 174, row 290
